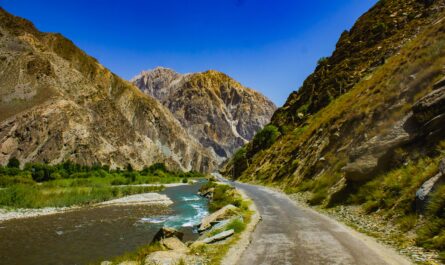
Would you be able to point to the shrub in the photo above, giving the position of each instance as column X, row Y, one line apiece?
column 265, row 138
column 240, row 162
column 13, row 163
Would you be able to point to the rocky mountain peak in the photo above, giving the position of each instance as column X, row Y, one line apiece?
column 214, row 108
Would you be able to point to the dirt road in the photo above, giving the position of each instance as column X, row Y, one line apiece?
column 293, row 234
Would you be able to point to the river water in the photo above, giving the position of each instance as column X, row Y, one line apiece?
column 97, row 233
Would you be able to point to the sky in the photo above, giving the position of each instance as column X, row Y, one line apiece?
column 268, row 45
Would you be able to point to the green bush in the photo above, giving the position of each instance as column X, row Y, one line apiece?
column 13, row 163
column 264, row 138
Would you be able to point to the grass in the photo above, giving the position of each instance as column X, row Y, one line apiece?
column 39, row 196
column 394, row 191
column 68, row 184
column 222, row 196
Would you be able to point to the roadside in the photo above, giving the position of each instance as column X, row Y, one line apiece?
column 374, row 226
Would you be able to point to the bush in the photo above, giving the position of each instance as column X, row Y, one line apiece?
column 265, row 138
column 222, row 196
column 240, row 162
column 13, row 163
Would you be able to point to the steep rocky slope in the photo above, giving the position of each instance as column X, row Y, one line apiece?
column 57, row 103
column 367, row 127
column 218, row 111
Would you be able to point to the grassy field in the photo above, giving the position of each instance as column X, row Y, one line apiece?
column 67, row 184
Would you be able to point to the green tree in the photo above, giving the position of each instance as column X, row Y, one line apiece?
column 265, row 138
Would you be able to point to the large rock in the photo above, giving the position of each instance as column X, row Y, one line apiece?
column 369, row 158
column 173, row 243
column 167, row 232
column 221, row 214
column 219, row 237
column 215, row 109
column 430, row 106
column 429, row 186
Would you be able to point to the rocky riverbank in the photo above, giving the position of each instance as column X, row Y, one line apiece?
column 224, row 234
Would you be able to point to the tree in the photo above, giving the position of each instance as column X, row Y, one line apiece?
column 265, row 138
column 13, row 163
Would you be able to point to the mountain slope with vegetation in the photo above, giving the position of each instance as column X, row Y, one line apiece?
column 59, row 104
column 367, row 128
column 215, row 109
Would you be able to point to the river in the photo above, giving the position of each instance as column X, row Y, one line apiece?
column 97, row 233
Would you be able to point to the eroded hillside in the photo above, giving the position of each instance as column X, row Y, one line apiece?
column 58, row 103
column 219, row 112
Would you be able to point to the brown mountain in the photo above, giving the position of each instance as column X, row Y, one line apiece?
column 57, row 103
column 367, row 128
column 215, row 109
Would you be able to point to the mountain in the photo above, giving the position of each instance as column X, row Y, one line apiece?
column 58, row 103
column 215, row 109
column 367, row 128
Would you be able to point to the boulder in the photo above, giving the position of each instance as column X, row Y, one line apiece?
column 166, row 232
column 165, row 258
column 173, row 243
column 423, row 193
column 219, row 237
column 430, row 106
column 221, row 214
column 369, row 157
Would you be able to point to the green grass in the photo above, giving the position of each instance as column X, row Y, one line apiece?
column 394, row 192
column 222, row 196
column 39, row 196
column 68, row 184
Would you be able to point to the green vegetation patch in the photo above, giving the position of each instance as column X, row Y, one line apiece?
column 67, row 184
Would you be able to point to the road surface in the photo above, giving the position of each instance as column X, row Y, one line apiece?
column 293, row 234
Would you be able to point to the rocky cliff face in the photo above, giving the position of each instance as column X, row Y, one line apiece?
column 215, row 109
column 57, row 103
column 367, row 127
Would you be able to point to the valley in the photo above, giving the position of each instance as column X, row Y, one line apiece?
column 196, row 168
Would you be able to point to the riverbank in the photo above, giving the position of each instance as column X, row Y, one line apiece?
column 224, row 233
column 137, row 199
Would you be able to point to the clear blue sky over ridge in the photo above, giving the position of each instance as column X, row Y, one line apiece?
column 268, row 45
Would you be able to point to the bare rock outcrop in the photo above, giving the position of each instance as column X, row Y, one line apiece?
column 426, row 120
column 215, row 109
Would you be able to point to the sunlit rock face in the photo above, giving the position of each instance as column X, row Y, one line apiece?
column 215, row 109
column 57, row 104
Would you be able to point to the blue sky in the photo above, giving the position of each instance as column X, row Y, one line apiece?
column 268, row 45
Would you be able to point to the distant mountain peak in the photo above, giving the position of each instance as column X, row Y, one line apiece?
column 213, row 107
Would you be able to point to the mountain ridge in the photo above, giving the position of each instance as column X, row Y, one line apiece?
column 66, row 106
column 217, row 110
